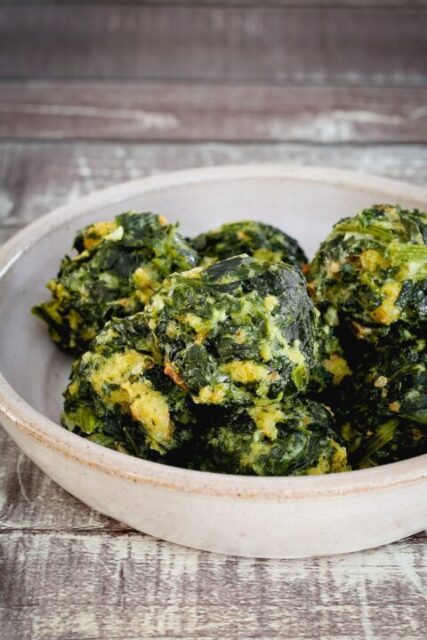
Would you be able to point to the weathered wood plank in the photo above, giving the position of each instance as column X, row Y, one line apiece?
column 129, row 111
column 389, row 4
column 30, row 500
column 62, row 585
column 275, row 44
column 37, row 177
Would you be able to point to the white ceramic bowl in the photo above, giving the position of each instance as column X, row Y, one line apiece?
column 249, row 516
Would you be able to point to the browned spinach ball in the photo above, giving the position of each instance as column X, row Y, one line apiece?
column 119, row 396
column 236, row 330
column 118, row 267
column 372, row 271
column 257, row 239
column 272, row 438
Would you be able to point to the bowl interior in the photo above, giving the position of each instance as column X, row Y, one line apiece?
column 305, row 209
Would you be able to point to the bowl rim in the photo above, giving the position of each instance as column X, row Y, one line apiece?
column 30, row 422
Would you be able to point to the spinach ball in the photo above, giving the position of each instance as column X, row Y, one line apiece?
column 273, row 438
column 382, row 407
column 256, row 239
column 372, row 271
column 118, row 267
column 118, row 395
column 236, row 330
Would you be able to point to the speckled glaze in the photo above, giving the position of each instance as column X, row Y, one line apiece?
column 248, row 516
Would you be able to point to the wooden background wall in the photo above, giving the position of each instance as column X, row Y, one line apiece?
column 93, row 93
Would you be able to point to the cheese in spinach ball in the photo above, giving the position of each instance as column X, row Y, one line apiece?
column 382, row 407
column 118, row 395
column 256, row 239
column 118, row 267
column 372, row 270
column 236, row 330
column 273, row 439
column 331, row 364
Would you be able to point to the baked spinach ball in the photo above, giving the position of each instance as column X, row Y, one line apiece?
column 236, row 330
column 118, row 395
column 273, row 438
column 256, row 239
column 382, row 407
column 372, row 271
column 118, row 267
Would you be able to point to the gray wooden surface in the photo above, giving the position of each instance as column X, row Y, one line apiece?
column 95, row 93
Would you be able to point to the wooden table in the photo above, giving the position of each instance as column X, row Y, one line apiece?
column 92, row 94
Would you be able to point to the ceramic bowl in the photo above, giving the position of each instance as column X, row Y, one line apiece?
column 248, row 516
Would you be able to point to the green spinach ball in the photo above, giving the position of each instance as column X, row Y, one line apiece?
column 382, row 407
column 118, row 395
column 118, row 267
column 236, row 330
column 256, row 239
column 371, row 271
column 273, row 438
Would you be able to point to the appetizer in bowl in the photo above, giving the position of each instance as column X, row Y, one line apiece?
column 224, row 411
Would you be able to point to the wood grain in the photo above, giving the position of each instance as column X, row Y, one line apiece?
column 104, row 585
column 388, row 4
column 275, row 44
column 30, row 501
column 37, row 177
column 184, row 112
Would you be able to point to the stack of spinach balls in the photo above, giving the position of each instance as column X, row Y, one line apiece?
column 211, row 354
